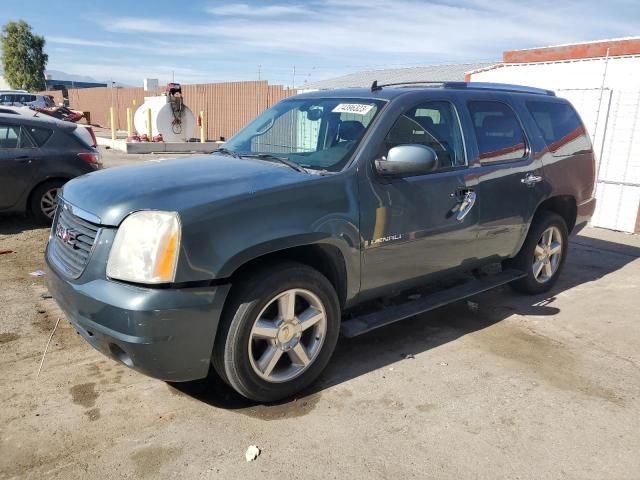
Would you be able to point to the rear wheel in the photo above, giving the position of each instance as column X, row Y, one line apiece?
column 542, row 255
column 278, row 332
column 43, row 200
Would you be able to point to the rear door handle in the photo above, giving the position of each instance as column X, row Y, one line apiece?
column 530, row 179
column 468, row 201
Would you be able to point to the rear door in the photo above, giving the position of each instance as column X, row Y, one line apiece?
column 511, row 181
column 17, row 152
column 411, row 226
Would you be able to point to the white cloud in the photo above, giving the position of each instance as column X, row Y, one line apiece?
column 326, row 37
column 244, row 10
column 150, row 25
column 339, row 29
column 82, row 42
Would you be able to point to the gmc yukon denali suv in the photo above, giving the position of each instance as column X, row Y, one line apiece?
column 252, row 260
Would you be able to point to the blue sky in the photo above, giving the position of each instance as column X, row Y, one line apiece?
column 209, row 40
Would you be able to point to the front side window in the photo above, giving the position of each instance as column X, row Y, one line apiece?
column 561, row 127
column 9, row 137
column 498, row 132
column 12, row 137
column 314, row 133
column 433, row 124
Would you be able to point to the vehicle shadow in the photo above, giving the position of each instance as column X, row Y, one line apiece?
column 589, row 260
column 13, row 224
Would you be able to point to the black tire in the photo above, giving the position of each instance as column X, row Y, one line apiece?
column 38, row 196
column 234, row 359
column 525, row 259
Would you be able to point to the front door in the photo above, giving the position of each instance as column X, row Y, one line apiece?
column 417, row 227
column 16, row 164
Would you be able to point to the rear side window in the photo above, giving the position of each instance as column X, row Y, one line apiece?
column 40, row 135
column 498, row 132
column 561, row 127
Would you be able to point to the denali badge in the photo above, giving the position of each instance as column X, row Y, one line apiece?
column 67, row 235
column 390, row 238
column 379, row 241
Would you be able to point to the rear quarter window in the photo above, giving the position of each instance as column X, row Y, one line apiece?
column 561, row 128
column 40, row 135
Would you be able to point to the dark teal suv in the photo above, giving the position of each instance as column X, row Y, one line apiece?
column 253, row 260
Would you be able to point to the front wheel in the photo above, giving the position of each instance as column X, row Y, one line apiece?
column 278, row 332
column 542, row 255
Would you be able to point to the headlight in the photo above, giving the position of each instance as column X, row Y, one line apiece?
column 146, row 248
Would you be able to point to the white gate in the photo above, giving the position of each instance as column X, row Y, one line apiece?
column 612, row 117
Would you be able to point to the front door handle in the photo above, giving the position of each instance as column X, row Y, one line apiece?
column 530, row 179
column 468, row 201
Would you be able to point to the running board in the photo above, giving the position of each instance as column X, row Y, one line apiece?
column 388, row 315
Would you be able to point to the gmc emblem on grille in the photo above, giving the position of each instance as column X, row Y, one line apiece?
column 67, row 235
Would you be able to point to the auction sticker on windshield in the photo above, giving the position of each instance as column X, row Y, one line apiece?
column 357, row 108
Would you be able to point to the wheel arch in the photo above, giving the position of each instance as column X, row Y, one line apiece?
column 29, row 197
column 564, row 205
column 325, row 258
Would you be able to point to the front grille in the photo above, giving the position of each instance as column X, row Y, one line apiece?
column 72, row 241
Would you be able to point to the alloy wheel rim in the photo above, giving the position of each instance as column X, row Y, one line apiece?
column 547, row 255
column 287, row 335
column 48, row 202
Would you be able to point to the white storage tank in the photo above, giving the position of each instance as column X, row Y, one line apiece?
column 173, row 120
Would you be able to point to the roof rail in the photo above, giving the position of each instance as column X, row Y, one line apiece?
column 506, row 87
column 502, row 87
column 375, row 86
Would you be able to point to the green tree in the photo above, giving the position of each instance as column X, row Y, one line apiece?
column 23, row 57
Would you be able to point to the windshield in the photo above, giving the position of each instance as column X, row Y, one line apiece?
column 318, row 133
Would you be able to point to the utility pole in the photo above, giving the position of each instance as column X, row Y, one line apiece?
column 293, row 79
column 258, row 92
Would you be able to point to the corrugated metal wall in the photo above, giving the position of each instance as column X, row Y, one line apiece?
column 227, row 106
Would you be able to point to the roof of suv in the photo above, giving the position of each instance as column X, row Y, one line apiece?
column 391, row 91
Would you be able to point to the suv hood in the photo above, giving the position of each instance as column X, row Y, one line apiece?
column 173, row 185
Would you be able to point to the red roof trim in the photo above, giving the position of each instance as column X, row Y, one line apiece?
column 573, row 52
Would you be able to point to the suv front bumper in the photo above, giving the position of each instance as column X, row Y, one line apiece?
column 164, row 333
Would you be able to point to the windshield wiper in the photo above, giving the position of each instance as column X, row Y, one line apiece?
column 283, row 160
column 226, row 151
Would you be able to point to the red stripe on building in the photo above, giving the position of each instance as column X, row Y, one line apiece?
column 571, row 52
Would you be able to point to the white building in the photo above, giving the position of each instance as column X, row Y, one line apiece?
column 602, row 80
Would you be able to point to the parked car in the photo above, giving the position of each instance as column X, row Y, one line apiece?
column 17, row 98
column 253, row 259
column 39, row 154
column 85, row 131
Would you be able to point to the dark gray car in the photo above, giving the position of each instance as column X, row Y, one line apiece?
column 38, row 155
column 253, row 259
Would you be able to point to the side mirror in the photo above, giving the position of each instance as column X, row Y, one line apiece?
column 407, row 160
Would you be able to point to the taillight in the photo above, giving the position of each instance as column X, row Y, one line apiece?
column 93, row 137
column 90, row 158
